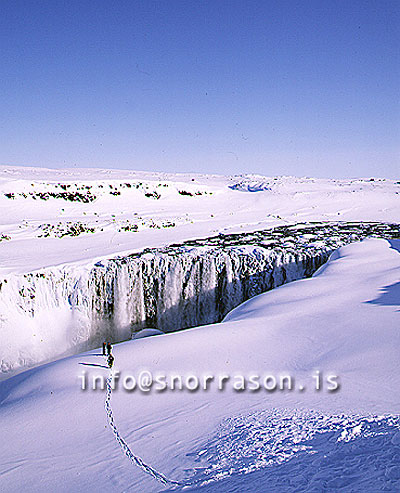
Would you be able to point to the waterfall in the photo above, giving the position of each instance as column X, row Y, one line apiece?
column 64, row 310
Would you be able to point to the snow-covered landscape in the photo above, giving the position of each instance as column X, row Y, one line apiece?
column 95, row 255
column 199, row 246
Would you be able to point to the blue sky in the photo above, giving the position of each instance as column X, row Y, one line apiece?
column 273, row 87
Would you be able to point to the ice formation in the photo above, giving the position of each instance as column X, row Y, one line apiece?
column 58, row 311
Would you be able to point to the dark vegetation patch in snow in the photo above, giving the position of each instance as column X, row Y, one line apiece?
column 69, row 228
column 299, row 236
column 75, row 192
column 70, row 196
column 77, row 228
column 250, row 187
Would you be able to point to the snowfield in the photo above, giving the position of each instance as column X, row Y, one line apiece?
column 90, row 243
column 343, row 321
column 54, row 217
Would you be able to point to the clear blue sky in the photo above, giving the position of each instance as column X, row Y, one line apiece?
column 274, row 87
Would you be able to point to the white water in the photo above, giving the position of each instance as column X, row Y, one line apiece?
column 66, row 310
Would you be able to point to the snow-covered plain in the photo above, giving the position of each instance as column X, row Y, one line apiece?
column 127, row 211
column 343, row 321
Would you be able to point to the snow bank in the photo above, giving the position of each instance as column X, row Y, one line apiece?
column 149, row 332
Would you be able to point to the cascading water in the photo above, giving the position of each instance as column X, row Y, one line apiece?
column 68, row 309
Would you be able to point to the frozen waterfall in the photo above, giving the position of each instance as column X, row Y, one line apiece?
column 59, row 311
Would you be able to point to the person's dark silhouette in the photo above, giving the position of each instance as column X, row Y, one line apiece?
column 110, row 360
column 108, row 347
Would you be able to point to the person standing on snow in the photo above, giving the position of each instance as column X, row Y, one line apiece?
column 110, row 360
column 108, row 348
